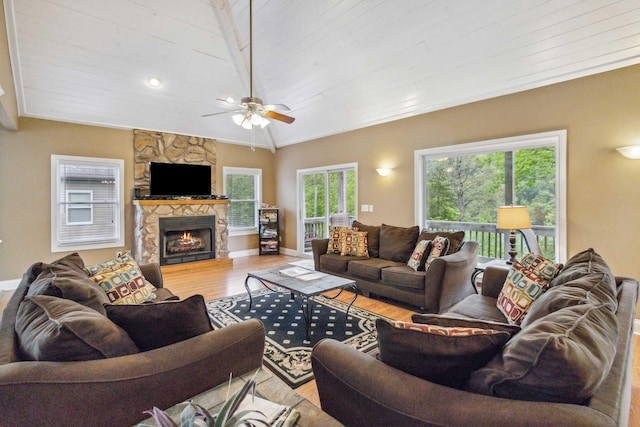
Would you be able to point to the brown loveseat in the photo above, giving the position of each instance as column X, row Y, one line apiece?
column 577, row 338
column 385, row 272
column 114, row 391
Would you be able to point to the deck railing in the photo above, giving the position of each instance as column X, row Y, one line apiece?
column 493, row 243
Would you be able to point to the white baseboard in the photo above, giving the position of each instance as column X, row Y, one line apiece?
column 636, row 326
column 239, row 254
column 9, row 285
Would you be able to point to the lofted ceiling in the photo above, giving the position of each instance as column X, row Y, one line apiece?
column 339, row 65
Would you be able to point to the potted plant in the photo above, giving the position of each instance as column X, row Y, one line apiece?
column 194, row 415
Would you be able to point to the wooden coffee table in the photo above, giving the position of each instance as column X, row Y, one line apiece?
column 306, row 289
column 268, row 387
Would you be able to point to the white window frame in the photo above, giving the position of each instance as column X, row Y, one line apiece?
column 71, row 207
column 557, row 139
column 116, row 240
column 257, row 173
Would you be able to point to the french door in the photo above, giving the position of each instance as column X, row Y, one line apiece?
column 326, row 196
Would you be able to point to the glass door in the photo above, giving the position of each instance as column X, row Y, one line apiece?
column 327, row 196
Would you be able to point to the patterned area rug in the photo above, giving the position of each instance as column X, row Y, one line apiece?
column 287, row 351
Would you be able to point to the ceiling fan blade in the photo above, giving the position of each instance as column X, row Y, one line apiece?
column 221, row 112
column 271, row 107
column 277, row 116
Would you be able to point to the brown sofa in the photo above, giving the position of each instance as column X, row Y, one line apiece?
column 385, row 272
column 114, row 391
column 358, row 389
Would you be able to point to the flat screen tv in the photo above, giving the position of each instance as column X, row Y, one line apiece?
column 178, row 179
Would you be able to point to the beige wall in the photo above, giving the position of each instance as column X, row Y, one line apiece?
column 25, row 186
column 243, row 157
column 600, row 113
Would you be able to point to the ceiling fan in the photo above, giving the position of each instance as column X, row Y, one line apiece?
column 251, row 111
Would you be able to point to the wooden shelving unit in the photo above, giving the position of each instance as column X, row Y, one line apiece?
column 269, row 232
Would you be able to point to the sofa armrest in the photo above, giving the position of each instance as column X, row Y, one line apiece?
column 116, row 391
column 448, row 278
column 152, row 273
column 319, row 247
column 358, row 389
column 493, row 280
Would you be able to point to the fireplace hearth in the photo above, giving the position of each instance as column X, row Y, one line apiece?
column 186, row 239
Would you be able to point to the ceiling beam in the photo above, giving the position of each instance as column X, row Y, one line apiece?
column 229, row 29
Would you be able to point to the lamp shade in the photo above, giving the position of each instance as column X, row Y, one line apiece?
column 513, row 218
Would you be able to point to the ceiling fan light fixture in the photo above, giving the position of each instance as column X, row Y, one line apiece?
column 238, row 119
column 256, row 119
column 246, row 123
column 264, row 123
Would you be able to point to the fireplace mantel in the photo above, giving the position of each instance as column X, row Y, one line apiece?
column 146, row 243
column 180, row 202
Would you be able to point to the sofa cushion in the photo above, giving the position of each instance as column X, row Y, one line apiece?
column 449, row 321
column 419, row 255
column 373, row 237
column 444, row 355
column 353, row 243
column 404, row 277
column 122, row 281
column 55, row 329
column 566, row 346
column 456, row 238
column 371, row 268
column 65, row 278
column 159, row 324
column 439, row 247
column 397, row 243
column 585, row 279
column 336, row 263
column 526, row 282
column 477, row 306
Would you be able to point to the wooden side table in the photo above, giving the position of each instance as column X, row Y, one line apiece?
column 268, row 387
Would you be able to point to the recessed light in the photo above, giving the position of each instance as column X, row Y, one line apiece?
column 154, row 82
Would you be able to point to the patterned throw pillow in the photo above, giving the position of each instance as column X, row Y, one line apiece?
column 439, row 247
column 417, row 259
column 526, row 282
column 335, row 246
column 122, row 280
column 353, row 243
column 444, row 355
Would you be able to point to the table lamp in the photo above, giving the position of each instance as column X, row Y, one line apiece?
column 513, row 218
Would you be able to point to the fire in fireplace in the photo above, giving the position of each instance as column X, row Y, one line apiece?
column 186, row 239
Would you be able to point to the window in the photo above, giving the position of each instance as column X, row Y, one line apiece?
column 79, row 207
column 87, row 206
column 461, row 186
column 326, row 196
column 243, row 186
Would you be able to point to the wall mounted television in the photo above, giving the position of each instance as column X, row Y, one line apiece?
column 179, row 179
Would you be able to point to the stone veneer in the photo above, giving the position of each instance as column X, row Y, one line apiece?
column 147, row 231
column 151, row 146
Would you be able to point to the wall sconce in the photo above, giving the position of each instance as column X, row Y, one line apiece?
column 630, row 152
column 383, row 171
column 513, row 218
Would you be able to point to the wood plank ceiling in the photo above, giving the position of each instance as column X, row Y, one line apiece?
column 339, row 64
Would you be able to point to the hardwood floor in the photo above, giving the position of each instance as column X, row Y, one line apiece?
column 220, row 278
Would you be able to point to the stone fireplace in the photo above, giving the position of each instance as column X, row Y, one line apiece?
column 150, row 242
